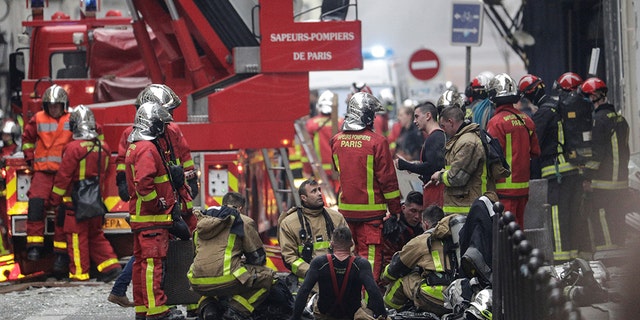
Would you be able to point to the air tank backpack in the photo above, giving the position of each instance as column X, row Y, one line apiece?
column 577, row 123
column 86, row 196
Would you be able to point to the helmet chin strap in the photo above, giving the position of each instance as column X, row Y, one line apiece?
column 600, row 97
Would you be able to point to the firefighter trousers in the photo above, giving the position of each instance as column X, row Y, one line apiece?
column 607, row 218
column 413, row 288
column 150, row 250
column 87, row 243
column 515, row 205
column 367, row 237
column 39, row 192
column 567, row 221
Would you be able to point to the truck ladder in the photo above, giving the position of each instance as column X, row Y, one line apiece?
column 316, row 163
column 278, row 165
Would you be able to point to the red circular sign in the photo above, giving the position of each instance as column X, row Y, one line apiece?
column 424, row 64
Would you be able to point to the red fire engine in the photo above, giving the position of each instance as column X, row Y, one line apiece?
column 243, row 84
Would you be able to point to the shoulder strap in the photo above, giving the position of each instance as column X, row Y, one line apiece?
column 305, row 228
column 328, row 222
column 339, row 293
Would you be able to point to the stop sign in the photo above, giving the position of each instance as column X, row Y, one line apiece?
column 424, row 64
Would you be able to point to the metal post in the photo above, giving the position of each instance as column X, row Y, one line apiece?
column 468, row 67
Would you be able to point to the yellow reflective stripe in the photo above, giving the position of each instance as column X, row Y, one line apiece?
column 58, row 191
column 370, row 179
column 248, row 303
column 556, row 231
column 107, row 263
column 362, row 207
column 326, row 166
column 609, row 185
column 60, row 245
column 437, row 262
column 454, row 209
column 385, row 274
column 82, row 169
column 593, row 165
column 188, row 163
column 27, row 146
column 445, row 176
column 140, row 309
column 161, row 179
column 121, row 167
column 371, row 254
column 561, row 167
column 228, row 251
column 605, row 227
column 151, row 218
column 388, row 298
column 66, row 199
column 296, row 265
column 616, row 156
column 77, row 262
column 148, row 197
column 512, row 185
column 392, row 194
column 433, row 291
column 35, row 239
column 216, row 280
column 321, row 245
column 149, row 285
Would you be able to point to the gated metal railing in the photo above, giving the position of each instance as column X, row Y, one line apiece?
column 523, row 286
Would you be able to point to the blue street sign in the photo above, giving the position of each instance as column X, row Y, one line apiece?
column 466, row 26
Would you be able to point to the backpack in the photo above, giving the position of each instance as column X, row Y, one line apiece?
column 577, row 123
column 497, row 166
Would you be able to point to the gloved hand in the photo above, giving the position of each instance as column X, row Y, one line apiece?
column 121, row 181
column 179, row 228
column 177, row 176
column 193, row 184
column 391, row 228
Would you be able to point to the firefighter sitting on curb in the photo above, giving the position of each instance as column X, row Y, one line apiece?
column 154, row 212
column 44, row 137
column 423, row 268
column 80, row 161
column 229, row 265
column 305, row 232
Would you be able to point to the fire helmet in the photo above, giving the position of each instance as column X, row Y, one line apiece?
column 12, row 128
column 361, row 111
column 450, row 98
column 149, row 122
column 480, row 307
column 161, row 94
column 531, row 87
column 593, row 86
column 326, row 102
column 55, row 94
column 83, row 123
column 568, row 81
column 503, row 89
column 360, row 87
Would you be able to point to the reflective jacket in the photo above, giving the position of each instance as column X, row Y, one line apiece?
column 219, row 261
column 152, row 196
column 608, row 169
column 550, row 132
column 465, row 174
column 43, row 140
column 291, row 244
column 367, row 175
column 517, row 136
column 79, row 162
column 426, row 254
column 320, row 130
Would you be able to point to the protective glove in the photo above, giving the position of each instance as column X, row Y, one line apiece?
column 123, row 190
column 391, row 228
column 177, row 176
column 193, row 185
column 179, row 228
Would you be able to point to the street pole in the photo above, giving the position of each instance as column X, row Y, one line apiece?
column 468, row 67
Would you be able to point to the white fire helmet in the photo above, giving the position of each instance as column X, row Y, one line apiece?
column 83, row 123
column 326, row 102
column 149, row 122
column 361, row 111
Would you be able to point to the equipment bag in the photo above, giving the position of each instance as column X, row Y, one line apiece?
column 577, row 123
column 497, row 165
column 86, row 196
column 87, row 200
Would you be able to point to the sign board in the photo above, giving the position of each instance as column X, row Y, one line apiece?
column 424, row 64
column 466, row 24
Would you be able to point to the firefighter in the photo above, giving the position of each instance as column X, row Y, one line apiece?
column 564, row 181
column 305, row 233
column 606, row 174
column 381, row 122
column 423, row 268
column 152, row 201
column 320, row 129
column 398, row 231
column 80, row 160
column 369, row 185
column 452, row 98
column 517, row 136
column 44, row 137
column 219, row 271
column 11, row 142
column 479, row 103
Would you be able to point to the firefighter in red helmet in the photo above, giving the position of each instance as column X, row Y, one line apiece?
column 606, row 174
column 44, row 137
column 368, row 180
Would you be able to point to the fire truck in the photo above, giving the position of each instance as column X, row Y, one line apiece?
column 243, row 81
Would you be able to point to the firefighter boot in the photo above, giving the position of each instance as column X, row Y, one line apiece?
column 111, row 274
column 233, row 314
column 171, row 314
column 34, row 254
column 61, row 264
